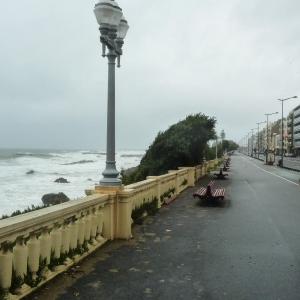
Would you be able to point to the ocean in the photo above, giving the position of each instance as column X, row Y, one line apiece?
column 27, row 174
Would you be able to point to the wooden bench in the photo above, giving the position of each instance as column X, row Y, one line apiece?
column 210, row 192
column 220, row 174
column 225, row 168
column 227, row 162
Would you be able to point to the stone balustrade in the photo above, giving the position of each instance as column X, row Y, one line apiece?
column 38, row 245
column 42, row 237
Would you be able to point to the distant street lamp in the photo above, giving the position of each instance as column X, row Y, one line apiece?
column 113, row 29
column 252, row 142
column 258, row 136
column 217, row 148
column 268, row 127
column 248, row 144
column 281, row 164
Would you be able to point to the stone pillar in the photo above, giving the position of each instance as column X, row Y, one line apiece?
column 109, row 210
column 124, row 214
column 157, row 188
column 191, row 176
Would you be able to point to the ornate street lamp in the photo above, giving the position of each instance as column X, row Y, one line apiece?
column 113, row 29
column 268, row 127
column 281, row 164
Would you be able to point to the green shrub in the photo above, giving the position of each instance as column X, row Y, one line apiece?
column 150, row 207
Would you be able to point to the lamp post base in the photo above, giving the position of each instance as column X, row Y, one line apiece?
column 110, row 175
column 110, row 182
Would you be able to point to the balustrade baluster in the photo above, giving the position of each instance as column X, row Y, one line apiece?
column 33, row 254
column 81, row 229
column 99, row 215
column 94, row 223
column 20, row 255
column 73, row 233
column 6, row 264
column 45, row 242
column 65, row 238
column 88, row 225
column 56, row 240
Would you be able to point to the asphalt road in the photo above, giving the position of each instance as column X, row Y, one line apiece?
column 243, row 247
column 254, row 244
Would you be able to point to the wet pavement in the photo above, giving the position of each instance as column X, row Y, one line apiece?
column 243, row 247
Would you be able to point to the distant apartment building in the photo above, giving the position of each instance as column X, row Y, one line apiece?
column 266, row 136
column 275, row 135
column 296, row 131
column 290, row 131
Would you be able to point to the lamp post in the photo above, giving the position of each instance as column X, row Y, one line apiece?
column 258, row 136
column 252, row 142
column 281, row 164
column 268, row 127
column 216, row 147
column 113, row 29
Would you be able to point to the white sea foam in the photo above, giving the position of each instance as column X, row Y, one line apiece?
column 19, row 190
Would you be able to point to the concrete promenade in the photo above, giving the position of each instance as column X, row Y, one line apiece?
column 244, row 247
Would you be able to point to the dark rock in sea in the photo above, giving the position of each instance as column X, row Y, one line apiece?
column 61, row 180
column 90, row 179
column 54, row 198
column 80, row 162
column 130, row 170
column 30, row 172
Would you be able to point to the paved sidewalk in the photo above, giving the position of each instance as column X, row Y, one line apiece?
column 162, row 261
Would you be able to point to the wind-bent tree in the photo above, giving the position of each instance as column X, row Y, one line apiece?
column 181, row 145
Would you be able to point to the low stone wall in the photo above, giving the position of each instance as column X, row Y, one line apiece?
column 37, row 246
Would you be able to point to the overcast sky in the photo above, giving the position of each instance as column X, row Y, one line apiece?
column 231, row 59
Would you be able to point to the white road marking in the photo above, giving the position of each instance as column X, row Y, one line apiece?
column 272, row 173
